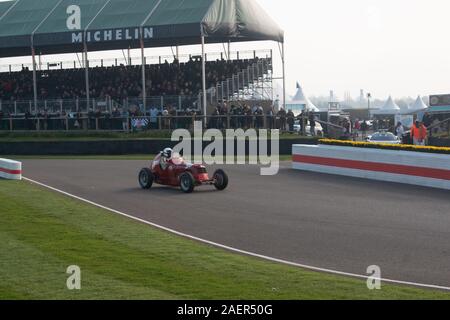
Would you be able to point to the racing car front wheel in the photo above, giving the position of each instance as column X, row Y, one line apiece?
column 187, row 182
column 220, row 180
column 146, row 178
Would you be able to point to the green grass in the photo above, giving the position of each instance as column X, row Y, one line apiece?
column 42, row 233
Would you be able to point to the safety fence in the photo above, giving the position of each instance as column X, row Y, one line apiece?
column 107, row 104
column 129, row 123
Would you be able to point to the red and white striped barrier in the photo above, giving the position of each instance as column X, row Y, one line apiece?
column 417, row 168
column 10, row 169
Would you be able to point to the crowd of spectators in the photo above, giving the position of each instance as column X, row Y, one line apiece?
column 119, row 82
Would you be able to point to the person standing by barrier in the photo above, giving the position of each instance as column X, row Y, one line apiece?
column 418, row 133
column 364, row 128
column 290, row 120
column 399, row 130
column 357, row 127
column 312, row 124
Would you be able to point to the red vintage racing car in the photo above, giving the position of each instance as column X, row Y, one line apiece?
column 175, row 172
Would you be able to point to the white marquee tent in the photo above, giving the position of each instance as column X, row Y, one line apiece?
column 389, row 108
column 419, row 104
column 301, row 102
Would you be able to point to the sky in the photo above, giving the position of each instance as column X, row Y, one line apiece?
column 386, row 47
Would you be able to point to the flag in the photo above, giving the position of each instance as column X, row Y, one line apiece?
column 139, row 123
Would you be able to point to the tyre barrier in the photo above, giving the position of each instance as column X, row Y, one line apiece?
column 10, row 169
column 407, row 167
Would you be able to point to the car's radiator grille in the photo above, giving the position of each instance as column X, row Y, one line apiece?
column 202, row 170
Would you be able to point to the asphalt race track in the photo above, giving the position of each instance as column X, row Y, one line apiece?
column 325, row 221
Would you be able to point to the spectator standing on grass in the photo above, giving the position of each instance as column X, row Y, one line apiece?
column 419, row 133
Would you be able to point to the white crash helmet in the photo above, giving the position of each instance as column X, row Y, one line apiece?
column 167, row 153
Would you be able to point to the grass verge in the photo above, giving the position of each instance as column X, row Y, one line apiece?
column 42, row 233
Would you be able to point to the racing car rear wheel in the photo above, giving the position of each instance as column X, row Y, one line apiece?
column 146, row 178
column 187, row 182
column 220, row 180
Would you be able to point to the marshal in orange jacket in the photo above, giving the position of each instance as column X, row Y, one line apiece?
column 419, row 133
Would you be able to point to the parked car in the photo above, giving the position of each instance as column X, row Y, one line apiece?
column 384, row 137
column 318, row 128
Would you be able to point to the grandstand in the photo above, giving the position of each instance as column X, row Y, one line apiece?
column 50, row 27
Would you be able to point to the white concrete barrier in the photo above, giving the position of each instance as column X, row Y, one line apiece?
column 10, row 169
column 417, row 168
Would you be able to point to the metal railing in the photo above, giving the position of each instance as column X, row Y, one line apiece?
column 50, row 63
column 107, row 104
column 129, row 123
column 242, row 85
column 440, row 129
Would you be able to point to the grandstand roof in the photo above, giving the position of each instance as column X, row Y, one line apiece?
column 51, row 25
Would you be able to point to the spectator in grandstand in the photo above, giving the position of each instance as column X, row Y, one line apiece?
column 118, row 82
column 154, row 112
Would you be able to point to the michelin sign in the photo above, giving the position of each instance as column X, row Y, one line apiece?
column 112, row 35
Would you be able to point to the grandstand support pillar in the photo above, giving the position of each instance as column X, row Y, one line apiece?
column 86, row 73
column 33, row 56
column 204, row 80
column 144, row 91
column 284, row 75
